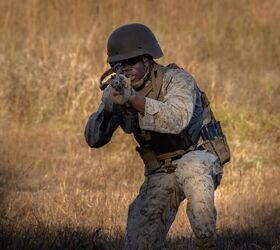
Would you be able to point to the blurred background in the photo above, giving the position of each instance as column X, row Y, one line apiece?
column 57, row 192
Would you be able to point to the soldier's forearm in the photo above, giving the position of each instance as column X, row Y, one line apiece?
column 138, row 102
column 107, row 117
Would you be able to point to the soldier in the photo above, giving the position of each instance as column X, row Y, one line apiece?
column 180, row 142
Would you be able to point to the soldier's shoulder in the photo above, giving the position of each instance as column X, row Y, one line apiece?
column 175, row 73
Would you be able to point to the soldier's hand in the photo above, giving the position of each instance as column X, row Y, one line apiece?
column 121, row 96
column 106, row 99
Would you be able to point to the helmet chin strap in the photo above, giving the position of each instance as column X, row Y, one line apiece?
column 147, row 66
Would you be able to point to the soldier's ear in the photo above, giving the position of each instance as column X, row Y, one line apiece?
column 146, row 58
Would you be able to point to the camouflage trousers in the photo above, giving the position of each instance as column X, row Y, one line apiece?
column 151, row 214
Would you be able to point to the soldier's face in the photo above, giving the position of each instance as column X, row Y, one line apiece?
column 134, row 70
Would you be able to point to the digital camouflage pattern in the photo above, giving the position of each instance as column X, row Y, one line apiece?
column 174, row 113
column 195, row 178
column 170, row 116
column 153, row 211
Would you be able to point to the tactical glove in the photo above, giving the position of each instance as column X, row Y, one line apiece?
column 106, row 99
column 121, row 96
column 120, row 93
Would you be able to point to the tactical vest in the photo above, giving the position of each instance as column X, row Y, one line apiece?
column 160, row 149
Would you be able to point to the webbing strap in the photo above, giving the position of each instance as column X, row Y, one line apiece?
column 157, row 77
column 146, row 90
column 153, row 89
column 170, row 155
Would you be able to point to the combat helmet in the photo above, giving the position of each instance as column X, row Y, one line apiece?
column 132, row 40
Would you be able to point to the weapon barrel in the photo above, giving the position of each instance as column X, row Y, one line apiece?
column 117, row 81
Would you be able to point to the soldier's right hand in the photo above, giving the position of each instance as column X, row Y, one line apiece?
column 121, row 96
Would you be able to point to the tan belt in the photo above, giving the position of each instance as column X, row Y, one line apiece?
column 161, row 163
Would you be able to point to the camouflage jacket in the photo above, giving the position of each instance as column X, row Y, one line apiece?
column 171, row 115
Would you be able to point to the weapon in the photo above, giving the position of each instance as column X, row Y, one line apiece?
column 117, row 80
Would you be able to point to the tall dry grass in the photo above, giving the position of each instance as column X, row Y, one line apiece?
column 56, row 192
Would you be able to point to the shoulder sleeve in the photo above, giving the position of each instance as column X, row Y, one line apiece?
column 173, row 114
column 96, row 134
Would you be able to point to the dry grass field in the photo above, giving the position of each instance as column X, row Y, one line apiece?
column 57, row 193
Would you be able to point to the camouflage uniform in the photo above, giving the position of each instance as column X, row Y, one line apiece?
column 195, row 178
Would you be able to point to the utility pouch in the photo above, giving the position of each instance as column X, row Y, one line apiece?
column 215, row 142
column 152, row 164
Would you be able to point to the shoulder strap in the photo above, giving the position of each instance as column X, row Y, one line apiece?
column 146, row 90
column 157, row 76
column 153, row 90
column 162, row 70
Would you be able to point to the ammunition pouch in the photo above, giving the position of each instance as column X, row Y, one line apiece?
column 215, row 142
